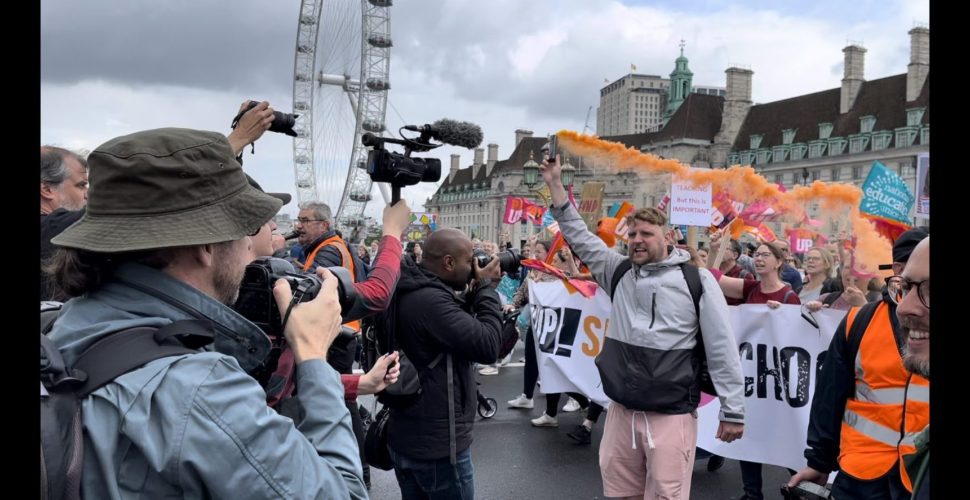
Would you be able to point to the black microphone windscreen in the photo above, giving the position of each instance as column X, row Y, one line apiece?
column 464, row 134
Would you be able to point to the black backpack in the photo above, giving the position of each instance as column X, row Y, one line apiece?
column 693, row 278
column 63, row 388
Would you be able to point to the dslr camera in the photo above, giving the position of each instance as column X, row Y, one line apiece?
column 282, row 122
column 508, row 260
column 257, row 304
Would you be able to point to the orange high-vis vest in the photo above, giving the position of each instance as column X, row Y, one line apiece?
column 346, row 260
column 889, row 408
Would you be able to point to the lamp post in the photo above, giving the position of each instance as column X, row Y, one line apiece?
column 568, row 173
column 530, row 172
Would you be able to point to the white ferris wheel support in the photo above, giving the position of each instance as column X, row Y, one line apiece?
column 340, row 84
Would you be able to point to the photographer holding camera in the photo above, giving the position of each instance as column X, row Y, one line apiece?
column 442, row 334
column 166, row 237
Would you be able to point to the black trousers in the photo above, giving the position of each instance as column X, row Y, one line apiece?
column 531, row 366
column 888, row 487
column 552, row 405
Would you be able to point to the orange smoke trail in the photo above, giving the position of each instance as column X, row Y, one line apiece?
column 745, row 185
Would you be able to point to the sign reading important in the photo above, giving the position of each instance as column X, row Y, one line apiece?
column 690, row 205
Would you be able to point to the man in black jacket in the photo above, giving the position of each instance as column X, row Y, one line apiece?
column 436, row 330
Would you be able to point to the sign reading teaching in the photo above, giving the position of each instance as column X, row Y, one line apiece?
column 689, row 205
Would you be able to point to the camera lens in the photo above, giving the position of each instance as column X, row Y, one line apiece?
column 283, row 123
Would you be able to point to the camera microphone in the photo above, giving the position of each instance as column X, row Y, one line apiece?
column 464, row 134
column 291, row 235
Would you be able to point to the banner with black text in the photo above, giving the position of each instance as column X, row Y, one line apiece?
column 780, row 351
column 568, row 330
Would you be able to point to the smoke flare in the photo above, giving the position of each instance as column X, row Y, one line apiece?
column 837, row 201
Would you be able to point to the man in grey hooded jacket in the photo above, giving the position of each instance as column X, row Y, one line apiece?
column 648, row 366
column 167, row 237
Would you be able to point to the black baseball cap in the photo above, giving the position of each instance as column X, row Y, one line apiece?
column 905, row 244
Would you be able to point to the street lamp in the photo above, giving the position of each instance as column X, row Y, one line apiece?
column 530, row 172
column 568, row 172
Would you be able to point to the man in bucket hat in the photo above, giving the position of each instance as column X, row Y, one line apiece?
column 166, row 237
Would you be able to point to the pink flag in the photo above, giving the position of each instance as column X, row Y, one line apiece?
column 513, row 209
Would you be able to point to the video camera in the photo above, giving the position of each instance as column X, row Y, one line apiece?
column 401, row 170
column 508, row 260
column 398, row 169
column 257, row 304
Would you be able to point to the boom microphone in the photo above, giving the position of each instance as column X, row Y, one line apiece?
column 464, row 134
column 291, row 235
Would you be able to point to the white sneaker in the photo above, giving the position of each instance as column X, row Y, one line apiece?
column 521, row 402
column 545, row 421
column 488, row 370
column 506, row 360
column 571, row 406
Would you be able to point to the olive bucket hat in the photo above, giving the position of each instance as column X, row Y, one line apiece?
column 166, row 187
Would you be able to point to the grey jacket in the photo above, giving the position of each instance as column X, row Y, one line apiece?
column 197, row 426
column 647, row 359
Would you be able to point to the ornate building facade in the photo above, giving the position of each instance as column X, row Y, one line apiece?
column 831, row 135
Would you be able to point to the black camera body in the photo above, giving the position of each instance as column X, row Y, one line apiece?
column 805, row 490
column 282, row 122
column 400, row 170
column 257, row 304
column 508, row 260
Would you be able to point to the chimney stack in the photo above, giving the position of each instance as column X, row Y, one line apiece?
column 919, row 61
column 737, row 103
column 492, row 158
column 479, row 162
column 853, row 76
column 738, row 84
column 455, row 162
column 521, row 134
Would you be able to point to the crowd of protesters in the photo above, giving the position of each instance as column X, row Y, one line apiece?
column 173, row 222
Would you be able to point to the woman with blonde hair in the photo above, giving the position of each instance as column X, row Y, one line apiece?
column 820, row 271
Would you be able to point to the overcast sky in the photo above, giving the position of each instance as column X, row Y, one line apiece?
column 111, row 67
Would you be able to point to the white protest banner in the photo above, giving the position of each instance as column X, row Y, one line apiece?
column 568, row 330
column 780, row 354
column 690, row 205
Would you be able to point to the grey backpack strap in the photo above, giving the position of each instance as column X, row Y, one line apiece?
column 789, row 293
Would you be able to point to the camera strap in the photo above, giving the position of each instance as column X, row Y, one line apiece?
column 293, row 301
column 235, row 123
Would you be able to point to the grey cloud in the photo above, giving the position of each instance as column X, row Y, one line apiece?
column 212, row 45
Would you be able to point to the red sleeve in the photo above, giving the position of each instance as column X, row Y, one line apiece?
column 716, row 272
column 350, row 386
column 374, row 293
column 792, row 298
column 749, row 286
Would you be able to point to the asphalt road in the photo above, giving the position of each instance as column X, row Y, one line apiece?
column 514, row 460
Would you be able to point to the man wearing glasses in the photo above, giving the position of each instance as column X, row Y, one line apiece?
column 868, row 406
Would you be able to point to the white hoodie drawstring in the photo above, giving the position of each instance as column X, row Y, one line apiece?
column 633, row 434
